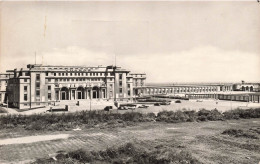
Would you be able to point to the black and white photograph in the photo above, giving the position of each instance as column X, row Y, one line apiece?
column 130, row 82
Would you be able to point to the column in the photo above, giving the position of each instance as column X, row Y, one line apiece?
column 91, row 93
column 58, row 94
column 100, row 93
column 69, row 94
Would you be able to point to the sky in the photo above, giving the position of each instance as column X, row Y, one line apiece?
column 169, row 41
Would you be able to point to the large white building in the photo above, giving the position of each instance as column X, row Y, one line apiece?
column 42, row 85
column 39, row 85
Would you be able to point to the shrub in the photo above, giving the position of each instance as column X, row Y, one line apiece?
column 92, row 118
column 2, row 110
column 240, row 133
column 127, row 153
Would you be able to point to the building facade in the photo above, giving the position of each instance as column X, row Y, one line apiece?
column 39, row 85
column 184, row 89
column 42, row 85
column 3, row 86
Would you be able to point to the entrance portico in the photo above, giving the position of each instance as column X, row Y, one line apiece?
column 73, row 93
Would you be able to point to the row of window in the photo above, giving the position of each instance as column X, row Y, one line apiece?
column 37, row 86
column 188, row 90
column 82, row 79
column 81, row 74
column 25, row 96
column 70, row 74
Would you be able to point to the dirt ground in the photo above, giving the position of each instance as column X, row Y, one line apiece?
column 203, row 139
column 185, row 104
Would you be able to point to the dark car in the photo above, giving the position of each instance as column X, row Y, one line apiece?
column 178, row 101
column 143, row 106
column 107, row 108
column 157, row 104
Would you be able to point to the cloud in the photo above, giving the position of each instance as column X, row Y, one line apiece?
column 201, row 64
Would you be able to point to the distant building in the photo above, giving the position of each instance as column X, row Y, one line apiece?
column 39, row 85
column 251, row 87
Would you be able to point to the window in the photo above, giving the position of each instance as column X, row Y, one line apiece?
column 49, row 80
column 27, row 74
column 54, row 74
column 25, row 80
column 120, row 90
column 120, row 76
column 128, row 85
column 46, row 73
column 49, row 87
column 37, row 93
column 129, row 93
column 37, row 85
column 25, row 88
column 25, row 97
column 70, row 74
column 120, row 83
column 49, row 96
column 37, row 77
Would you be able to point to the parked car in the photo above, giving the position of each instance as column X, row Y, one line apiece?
column 178, row 101
column 165, row 103
column 3, row 105
column 122, row 108
column 157, row 104
column 143, row 106
column 107, row 108
column 131, row 106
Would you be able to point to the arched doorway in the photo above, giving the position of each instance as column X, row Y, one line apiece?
column 95, row 91
column 64, row 93
column 251, row 89
column 80, row 93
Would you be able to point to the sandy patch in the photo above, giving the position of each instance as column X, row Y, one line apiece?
column 172, row 128
column 31, row 139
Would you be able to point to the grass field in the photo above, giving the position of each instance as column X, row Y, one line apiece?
column 205, row 141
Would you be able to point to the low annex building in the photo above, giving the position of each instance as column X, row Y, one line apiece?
column 40, row 85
